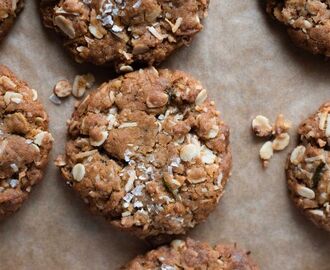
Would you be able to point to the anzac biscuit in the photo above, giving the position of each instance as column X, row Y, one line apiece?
column 193, row 255
column 307, row 22
column 24, row 141
column 9, row 9
column 308, row 171
column 122, row 33
column 149, row 152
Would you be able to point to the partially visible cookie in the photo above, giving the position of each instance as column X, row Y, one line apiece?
column 308, row 171
column 193, row 255
column 9, row 10
column 24, row 141
column 123, row 33
column 149, row 152
column 307, row 22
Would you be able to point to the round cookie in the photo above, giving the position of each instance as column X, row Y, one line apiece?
column 308, row 171
column 24, row 141
column 9, row 10
column 307, row 21
column 149, row 152
column 192, row 255
column 123, row 33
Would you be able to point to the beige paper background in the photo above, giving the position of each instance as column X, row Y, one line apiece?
column 249, row 67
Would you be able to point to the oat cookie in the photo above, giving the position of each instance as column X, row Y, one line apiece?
column 122, row 33
column 149, row 152
column 9, row 10
column 193, row 255
column 307, row 21
column 308, row 171
column 24, row 141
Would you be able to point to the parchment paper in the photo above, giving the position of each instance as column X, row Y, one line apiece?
column 249, row 67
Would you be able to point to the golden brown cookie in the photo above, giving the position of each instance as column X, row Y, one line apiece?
column 307, row 22
column 308, row 168
column 123, row 33
column 193, row 255
column 9, row 9
column 149, row 152
column 24, row 141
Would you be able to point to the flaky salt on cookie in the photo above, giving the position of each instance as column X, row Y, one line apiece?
column 9, row 9
column 149, row 152
column 193, row 255
column 308, row 171
column 307, row 22
column 123, row 33
column 24, row 141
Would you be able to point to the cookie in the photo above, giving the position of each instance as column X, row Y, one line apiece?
column 124, row 33
column 24, row 141
column 308, row 171
column 9, row 9
column 192, row 255
column 149, row 152
column 307, row 22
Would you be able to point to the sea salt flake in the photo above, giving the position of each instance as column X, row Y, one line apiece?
column 117, row 28
column 128, row 197
column 138, row 204
column 137, row 191
column 13, row 183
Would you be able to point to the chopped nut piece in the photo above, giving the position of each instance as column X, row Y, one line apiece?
column 213, row 132
column 189, row 152
column 321, row 142
column 81, row 83
column 157, row 99
column 128, row 125
column 34, row 94
column 104, row 136
column 155, row 33
column 327, row 130
column 261, row 126
column 38, row 139
column 207, row 156
column 95, row 31
column 281, row 125
column 305, row 192
column 266, row 151
column 63, row 88
column 126, row 68
column 90, row 79
column 175, row 26
column 297, row 154
column 281, row 141
column 12, row 97
column 317, row 212
column 7, row 83
column 78, row 172
column 322, row 120
column 60, row 161
column 201, row 97
column 177, row 244
column 65, row 25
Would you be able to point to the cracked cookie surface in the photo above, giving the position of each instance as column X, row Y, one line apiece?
column 9, row 9
column 24, row 141
column 307, row 21
column 308, row 171
column 122, row 33
column 193, row 255
column 149, row 152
